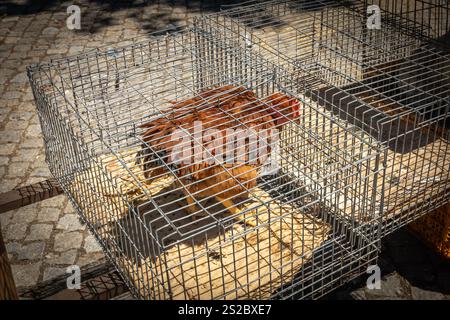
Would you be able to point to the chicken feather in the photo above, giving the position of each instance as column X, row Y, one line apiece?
column 227, row 107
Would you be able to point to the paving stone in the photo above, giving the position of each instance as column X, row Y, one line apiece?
column 60, row 15
column 52, row 273
column 10, row 136
column 41, row 46
column 9, row 184
column 20, row 78
column 16, row 125
column 420, row 294
column 393, row 286
column 7, row 148
column 26, row 275
column 54, row 202
column 33, row 130
column 5, row 54
column 31, row 180
column 50, row 31
column 10, row 19
column 70, row 222
column 35, row 121
column 40, row 231
column 69, row 208
column 33, row 143
column 13, row 247
column 39, row 164
column 2, row 116
column 17, row 169
column 8, row 72
column 12, row 94
column 37, row 53
column 90, row 259
column 48, row 214
column 5, row 219
column 75, row 49
column 25, row 215
column 91, row 245
column 22, row 47
column 10, row 39
column 23, row 116
column 67, row 258
column 4, row 111
column 16, row 231
column 25, row 155
column 11, row 102
column 31, row 251
column 43, row 172
column 68, row 240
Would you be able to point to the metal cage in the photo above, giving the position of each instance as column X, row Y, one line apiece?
column 392, row 82
column 426, row 19
column 295, row 231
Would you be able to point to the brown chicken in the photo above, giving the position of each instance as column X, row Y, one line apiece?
column 221, row 109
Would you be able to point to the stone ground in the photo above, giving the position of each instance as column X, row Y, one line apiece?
column 410, row 270
column 43, row 239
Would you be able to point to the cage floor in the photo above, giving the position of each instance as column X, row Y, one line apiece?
column 249, row 267
column 417, row 158
column 419, row 176
column 228, row 263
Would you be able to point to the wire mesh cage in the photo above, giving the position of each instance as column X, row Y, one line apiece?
column 389, row 81
column 119, row 127
column 426, row 19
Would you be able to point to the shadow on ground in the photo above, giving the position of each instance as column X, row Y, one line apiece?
column 410, row 270
column 151, row 15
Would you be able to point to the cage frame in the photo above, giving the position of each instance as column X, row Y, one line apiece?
column 75, row 140
column 258, row 26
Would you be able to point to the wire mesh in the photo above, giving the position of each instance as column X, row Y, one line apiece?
column 391, row 82
column 426, row 19
column 295, row 224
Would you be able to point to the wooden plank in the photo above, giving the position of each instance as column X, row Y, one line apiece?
column 247, row 267
column 29, row 194
column 12, row 200
column 8, row 289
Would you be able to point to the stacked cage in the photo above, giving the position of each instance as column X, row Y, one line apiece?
column 388, row 81
column 119, row 125
column 426, row 19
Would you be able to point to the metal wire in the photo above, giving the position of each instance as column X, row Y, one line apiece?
column 426, row 19
column 392, row 82
column 297, row 231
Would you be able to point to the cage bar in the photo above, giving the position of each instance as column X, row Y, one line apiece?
column 425, row 19
column 296, row 225
column 391, row 82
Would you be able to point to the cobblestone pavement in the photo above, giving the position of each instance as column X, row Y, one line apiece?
column 43, row 239
column 410, row 270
